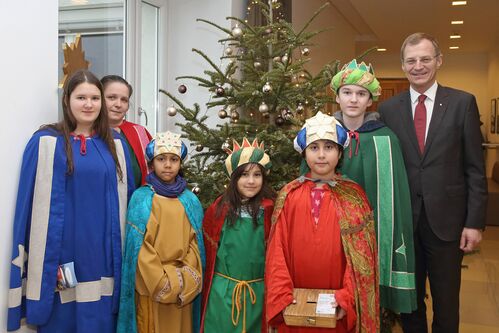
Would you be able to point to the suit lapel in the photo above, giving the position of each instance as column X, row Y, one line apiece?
column 439, row 108
column 408, row 121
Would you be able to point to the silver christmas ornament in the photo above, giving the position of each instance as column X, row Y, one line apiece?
column 237, row 31
column 228, row 51
column 279, row 121
column 257, row 65
column 267, row 88
column 172, row 111
column 196, row 190
column 285, row 58
column 276, row 59
column 199, row 148
column 305, row 51
column 288, row 115
column 263, row 108
column 284, row 111
column 300, row 108
column 226, row 146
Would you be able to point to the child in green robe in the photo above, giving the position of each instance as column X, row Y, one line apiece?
column 235, row 228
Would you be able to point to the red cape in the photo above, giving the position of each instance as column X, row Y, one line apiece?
column 138, row 137
column 359, row 245
column 212, row 227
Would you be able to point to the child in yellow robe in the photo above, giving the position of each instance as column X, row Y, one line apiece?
column 164, row 252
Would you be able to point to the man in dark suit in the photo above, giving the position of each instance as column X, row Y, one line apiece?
column 439, row 130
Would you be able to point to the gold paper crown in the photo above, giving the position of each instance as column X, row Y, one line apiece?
column 246, row 152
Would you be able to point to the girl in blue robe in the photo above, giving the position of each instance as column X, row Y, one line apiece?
column 69, row 220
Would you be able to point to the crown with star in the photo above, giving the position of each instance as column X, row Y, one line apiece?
column 246, row 152
column 321, row 127
column 166, row 143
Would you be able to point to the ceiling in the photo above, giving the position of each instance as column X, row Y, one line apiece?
column 385, row 23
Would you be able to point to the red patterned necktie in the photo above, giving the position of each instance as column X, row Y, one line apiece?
column 420, row 122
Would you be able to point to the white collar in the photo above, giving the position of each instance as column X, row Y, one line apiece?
column 430, row 93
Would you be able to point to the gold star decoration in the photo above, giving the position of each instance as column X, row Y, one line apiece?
column 74, row 59
column 21, row 258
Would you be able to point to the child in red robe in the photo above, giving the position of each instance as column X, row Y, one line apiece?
column 323, row 236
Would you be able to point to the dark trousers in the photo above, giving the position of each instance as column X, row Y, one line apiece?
column 440, row 262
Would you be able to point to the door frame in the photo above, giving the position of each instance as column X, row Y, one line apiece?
column 133, row 56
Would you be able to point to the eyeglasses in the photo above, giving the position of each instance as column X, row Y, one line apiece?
column 423, row 60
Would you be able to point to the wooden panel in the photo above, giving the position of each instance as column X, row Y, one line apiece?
column 389, row 88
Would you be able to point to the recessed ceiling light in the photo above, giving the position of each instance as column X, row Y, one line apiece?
column 459, row 3
column 381, row 50
column 456, row 22
column 453, row 47
column 456, row 36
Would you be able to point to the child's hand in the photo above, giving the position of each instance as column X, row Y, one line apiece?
column 340, row 313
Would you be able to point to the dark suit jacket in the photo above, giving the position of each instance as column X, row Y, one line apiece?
column 450, row 175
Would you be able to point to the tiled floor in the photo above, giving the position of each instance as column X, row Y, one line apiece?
column 480, row 287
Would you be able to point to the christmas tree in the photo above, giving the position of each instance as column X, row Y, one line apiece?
column 265, row 91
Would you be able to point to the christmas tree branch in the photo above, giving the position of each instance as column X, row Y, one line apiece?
column 215, row 67
column 206, row 83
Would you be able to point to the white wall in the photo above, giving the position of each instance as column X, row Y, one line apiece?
column 28, row 88
column 28, row 91
column 336, row 43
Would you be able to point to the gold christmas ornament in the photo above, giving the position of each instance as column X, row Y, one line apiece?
column 222, row 114
column 234, row 115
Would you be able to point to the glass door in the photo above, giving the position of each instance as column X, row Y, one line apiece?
column 149, row 69
column 146, row 60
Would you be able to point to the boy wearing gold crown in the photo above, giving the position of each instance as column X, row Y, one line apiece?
column 374, row 160
column 164, row 252
column 236, row 227
column 323, row 237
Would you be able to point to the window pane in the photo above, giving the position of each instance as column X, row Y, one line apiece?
column 100, row 24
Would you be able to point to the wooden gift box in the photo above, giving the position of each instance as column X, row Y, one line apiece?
column 303, row 312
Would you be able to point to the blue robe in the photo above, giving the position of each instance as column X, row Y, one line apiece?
column 137, row 219
column 63, row 218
